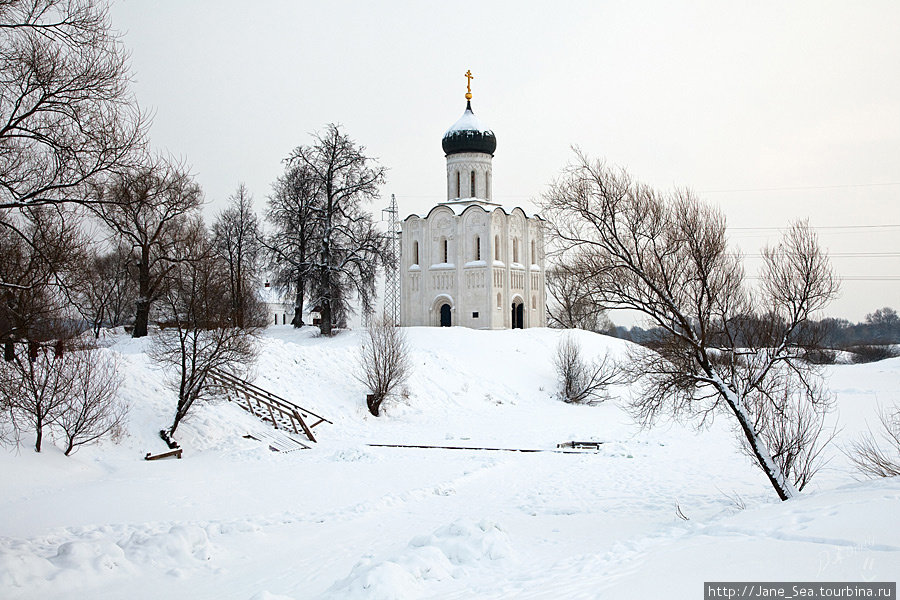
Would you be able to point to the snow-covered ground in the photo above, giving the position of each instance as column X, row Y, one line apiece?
column 348, row 520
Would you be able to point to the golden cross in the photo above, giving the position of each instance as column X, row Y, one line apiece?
column 469, row 78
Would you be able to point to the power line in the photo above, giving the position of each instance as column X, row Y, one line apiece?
column 802, row 187
column 839, row 255
column 852, row 277
column 830, row 227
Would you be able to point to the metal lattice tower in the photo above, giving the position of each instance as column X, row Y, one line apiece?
column 392, row 272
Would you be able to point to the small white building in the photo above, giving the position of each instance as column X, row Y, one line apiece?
column 470, row 262
column 279, row 310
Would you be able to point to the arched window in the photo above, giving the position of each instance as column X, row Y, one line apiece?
column 445, row 250
column 477, row 247
column 496, row 247
column 515, row 250
column 472, row 185
column 458, row 191
column 415, row 253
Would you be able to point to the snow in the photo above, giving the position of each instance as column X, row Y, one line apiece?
column 461, row 205
column 348, row 520
column 467, row 122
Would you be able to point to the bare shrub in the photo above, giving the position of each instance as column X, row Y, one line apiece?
column 820, row 356
column 867, row 353
column 384, row 362
column 875, row 459
column 580, row 381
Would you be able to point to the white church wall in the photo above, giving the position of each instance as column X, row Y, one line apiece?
column 459, row 171
column 469, row 255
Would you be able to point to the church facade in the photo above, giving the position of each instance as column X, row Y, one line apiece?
column 470, row 262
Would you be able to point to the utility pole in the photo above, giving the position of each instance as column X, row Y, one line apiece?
column 392, row 272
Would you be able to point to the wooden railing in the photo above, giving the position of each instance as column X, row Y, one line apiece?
column 275, row 410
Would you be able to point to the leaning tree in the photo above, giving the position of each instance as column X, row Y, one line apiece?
column 723, row 347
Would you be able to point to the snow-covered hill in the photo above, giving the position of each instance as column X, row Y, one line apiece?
column 348, row 520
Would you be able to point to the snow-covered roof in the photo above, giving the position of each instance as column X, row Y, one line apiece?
column 468, row 135
column 467, row 122
column 458, row 207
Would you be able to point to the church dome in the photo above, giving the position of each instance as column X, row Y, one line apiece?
column 469, row 135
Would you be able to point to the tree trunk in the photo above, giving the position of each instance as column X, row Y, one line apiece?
column 237, row 297
column 141, row 318
column 142, row 315
column 297, row 321
column 39, row 436
column 777, row 478
column 325, row 326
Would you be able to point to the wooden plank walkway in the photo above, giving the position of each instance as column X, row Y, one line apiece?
column 559, row 449
column 268, row 407
column 277, row 440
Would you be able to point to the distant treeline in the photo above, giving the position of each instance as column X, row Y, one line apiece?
column 881, row 327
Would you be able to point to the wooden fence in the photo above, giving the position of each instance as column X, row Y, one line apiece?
column 275, row 410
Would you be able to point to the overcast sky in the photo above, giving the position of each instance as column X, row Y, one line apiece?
column 774, row 111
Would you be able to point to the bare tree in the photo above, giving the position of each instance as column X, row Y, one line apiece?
column 291, row 248
column 146, row 208
column 236, row 243
column 35, row 392
column 722, row 346
column 349, row 249
column 67, row 114
column 572, row 306
column 38, row 248
column 104, row 291
column 580, row 381
column 63, row 387
column 879, row 459
column 92, row 409
column 884, row 325
column 199, row 336
column 384, row 361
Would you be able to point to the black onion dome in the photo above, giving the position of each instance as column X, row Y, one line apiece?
column 469, row 135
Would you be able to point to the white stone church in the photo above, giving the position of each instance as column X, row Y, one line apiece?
column 471, row 262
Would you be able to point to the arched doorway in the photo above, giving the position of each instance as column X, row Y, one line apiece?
column 445, row 315
column 518, row 315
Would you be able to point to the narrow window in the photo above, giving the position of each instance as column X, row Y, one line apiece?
column 533, row 254
column 415, row 253
column 445, row 251
column 534, row 303
column 487, row 185
column 477, row 247
column 496, row 247
column 499, row 301
column 472, row 185
column 458, row 191
column 515, row 250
